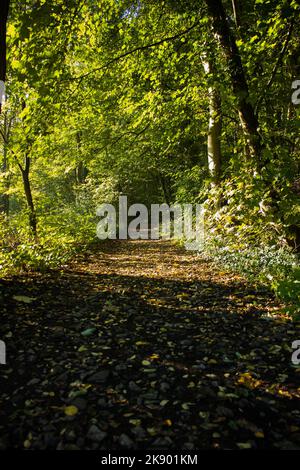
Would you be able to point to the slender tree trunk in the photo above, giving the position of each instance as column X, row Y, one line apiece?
column 4, row 198
column 236, row 8
column 4, row 6
column 239, row 83
column 214, row 153
column 165, row 189
column 25, row 171
column 28, row 194
column 81, row 172
column 81, row 169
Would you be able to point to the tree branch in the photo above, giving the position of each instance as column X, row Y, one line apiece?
column 136, row 49
column 277, row 65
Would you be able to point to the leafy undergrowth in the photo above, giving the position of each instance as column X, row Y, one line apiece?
column 59, row 239
column 142, row 345
column 270, row 266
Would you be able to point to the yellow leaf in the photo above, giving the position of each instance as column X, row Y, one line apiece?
column 212, row 361
column 71, row 410
column 244, row 445
column 168, row 422
column 135, row 422
column 154, row 356
column 24, row 298
column 152, row 431
column 164, row 402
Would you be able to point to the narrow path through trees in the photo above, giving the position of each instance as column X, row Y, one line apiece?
column 140, row 344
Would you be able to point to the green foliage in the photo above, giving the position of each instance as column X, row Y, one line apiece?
column 112, row 98
column 289, row 290
column 61, row 235
column 273, row 266
column 244, row 236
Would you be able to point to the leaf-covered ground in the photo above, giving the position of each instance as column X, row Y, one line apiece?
column 142, row 345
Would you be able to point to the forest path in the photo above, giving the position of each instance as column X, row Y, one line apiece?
column 143, row 345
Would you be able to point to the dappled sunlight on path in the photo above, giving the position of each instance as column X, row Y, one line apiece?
column 140, row 344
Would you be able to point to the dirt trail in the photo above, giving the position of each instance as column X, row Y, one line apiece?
column 142, row 345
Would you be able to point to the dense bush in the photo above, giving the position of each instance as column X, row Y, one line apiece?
column 60, row 236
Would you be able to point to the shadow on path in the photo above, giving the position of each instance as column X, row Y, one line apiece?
column 143, row 345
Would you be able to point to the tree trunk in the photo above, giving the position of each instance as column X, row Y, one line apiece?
column 28, row 194
column 239, row 83
column 4, row 6
column 4, row 198
column 214, row 153
column 81, row 173
column 236, row 8
column 81, row 169
column 165, row 189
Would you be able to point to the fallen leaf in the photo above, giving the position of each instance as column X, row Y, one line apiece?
column 24, row 298
column 88, row 331
column 71, row 410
